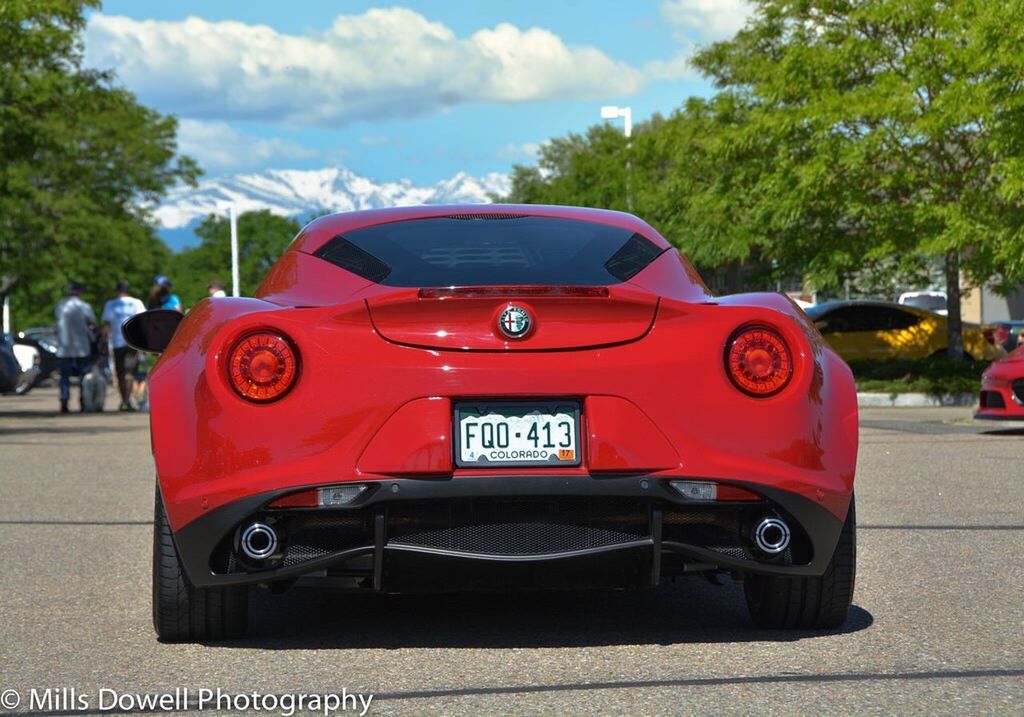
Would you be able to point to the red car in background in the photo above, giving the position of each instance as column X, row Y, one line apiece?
column 1002, row 388
column 495, row 397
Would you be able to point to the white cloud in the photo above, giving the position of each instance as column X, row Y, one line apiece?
column 675, row 68
column 384, row 63
column 525, row 152
column 696, row 22
column 705, row 20
column 219, row 146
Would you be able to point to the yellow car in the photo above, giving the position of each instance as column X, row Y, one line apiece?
column 860, row 330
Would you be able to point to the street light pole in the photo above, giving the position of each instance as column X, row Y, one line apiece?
column 610, row 112
column 234, row 249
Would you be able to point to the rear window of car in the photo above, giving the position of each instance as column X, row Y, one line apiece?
column 491, row 250
column 926, row 302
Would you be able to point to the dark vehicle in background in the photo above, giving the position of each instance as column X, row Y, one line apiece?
column 10, row 369
column 44, row 340
column 865, row 329
column 927, row 300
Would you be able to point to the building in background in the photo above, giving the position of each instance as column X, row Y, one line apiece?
column 984, row 306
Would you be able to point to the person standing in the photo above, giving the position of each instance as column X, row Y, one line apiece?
column 75, row 325
column 161, row 296
column 216, row 290
column 126, row 359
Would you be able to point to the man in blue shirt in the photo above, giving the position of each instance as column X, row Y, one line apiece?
column 126, row 359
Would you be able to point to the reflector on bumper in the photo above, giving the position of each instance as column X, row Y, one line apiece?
column 329, row 497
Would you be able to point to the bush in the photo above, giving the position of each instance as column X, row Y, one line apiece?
column 934, row 376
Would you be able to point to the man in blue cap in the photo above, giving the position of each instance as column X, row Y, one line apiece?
column 161, row 297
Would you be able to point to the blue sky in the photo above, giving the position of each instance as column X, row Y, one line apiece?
column 417, row 90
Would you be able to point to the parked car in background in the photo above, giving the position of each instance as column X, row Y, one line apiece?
column 927, row 300
column 44, row 340
column 13, row 376
column 28, row 362
column 9, row 368
column 1009, row 334
column 866, row 329
column 1002, row 388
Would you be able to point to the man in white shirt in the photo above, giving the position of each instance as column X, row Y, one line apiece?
column 75, row 324
column 126, row 359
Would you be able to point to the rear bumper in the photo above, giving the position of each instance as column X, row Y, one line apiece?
column 502, row 531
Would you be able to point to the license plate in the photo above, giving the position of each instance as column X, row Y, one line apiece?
column 517, row 434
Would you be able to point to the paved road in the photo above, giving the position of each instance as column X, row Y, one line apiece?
column 938, row 626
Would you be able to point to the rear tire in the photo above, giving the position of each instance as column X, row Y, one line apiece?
column 183, row 612
column 813, row 602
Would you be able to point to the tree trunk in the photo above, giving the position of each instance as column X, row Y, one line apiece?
column 733, row 277
column 955, row 345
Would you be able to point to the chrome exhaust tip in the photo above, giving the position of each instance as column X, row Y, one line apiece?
column 772, row 535
column 258, row 541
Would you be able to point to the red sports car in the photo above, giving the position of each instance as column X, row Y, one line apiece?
column 1002, row 388
column 495, row 397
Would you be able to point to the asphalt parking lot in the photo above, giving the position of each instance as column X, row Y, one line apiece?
column 937, row 627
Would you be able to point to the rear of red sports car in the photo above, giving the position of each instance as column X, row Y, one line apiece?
column 497, row 398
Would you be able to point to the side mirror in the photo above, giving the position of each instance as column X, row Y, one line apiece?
column 151, row 330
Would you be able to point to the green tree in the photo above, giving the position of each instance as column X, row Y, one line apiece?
column 587, row 170
column 83, row 162
column 671, row 172
column 875, row 129
column 262, row 237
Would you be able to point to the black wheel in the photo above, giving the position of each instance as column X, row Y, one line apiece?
column 808, row 603
column 181, row 611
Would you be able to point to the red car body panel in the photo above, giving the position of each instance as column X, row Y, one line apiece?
column 1002, row 388
column 381, row 365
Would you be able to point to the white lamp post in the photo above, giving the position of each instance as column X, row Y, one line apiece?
column 234, row 249
column 233, row 223
column 611, row 112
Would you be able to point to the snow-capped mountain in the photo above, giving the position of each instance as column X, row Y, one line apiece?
column 303, row 193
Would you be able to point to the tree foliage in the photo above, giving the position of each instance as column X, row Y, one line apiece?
column 846, row 135
column 578, row 169
column 263, row 238
column 83, row 162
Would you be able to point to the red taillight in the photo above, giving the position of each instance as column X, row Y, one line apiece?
column 728, row 492
column 302, row 499
column 263, row 366
column 758, row 361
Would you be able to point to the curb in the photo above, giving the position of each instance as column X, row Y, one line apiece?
column 911, row 400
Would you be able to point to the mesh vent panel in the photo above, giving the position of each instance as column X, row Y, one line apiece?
column 527, row 527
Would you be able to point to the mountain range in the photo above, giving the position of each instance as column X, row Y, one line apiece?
column 304, row 193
